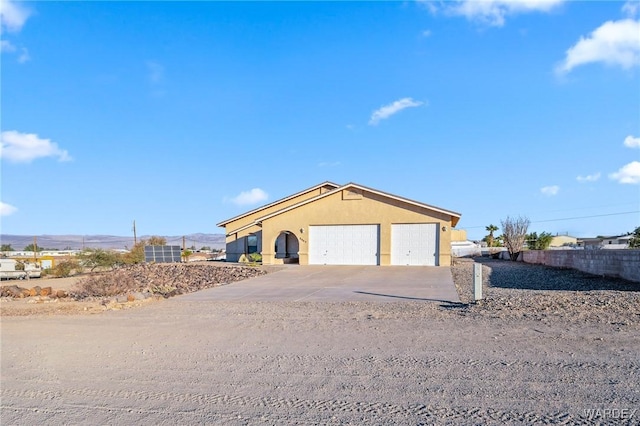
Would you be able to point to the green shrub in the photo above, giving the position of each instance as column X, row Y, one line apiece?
column 65, row 269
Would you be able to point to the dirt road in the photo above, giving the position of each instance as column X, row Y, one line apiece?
column 181, row 362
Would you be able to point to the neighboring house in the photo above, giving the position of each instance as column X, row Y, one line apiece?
column 343, row 225
column 611, row 243
column 563, row 241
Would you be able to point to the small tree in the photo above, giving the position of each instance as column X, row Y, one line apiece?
column 185, row 255
column 65, row 268
column 156, row 241
column 539, row 242
column 99, row 258
column 490, row 239
column 6, row 247
column 514, row 234
column 136, row 254
column 32, row 247
column 634, row 242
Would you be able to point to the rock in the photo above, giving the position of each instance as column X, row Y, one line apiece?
column 13, row 291
column 46, row 291
column 60, row 294
column 35, row 291
column 131, row 298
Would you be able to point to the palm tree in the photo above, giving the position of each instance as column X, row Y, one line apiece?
column 490, row 238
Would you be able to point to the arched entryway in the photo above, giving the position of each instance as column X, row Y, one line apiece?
column 287, row 247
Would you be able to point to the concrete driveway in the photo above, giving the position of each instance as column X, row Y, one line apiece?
column 340, row 283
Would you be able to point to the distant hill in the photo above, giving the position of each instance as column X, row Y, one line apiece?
column 61, row 242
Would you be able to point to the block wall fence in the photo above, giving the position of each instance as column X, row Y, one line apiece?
column 613, row 263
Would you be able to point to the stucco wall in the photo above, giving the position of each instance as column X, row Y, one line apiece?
column 369, row 209
column 615, row 263
column 245, row 220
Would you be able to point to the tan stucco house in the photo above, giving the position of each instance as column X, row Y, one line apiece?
column 330, row 224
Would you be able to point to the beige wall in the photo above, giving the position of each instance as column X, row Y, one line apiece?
column 339, row 209
column 245, row 220
column 236, row 242
column 458, row 235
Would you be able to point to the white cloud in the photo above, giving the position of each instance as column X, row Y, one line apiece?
column 629, row 173
column 12, row 16
column 426, row 33
column 24, row 56
column 631, row 8
column 393, row 108
column 589, row 178
column 632, row 142
column 253, row 196
column 550, row 190
column 329, row 164
column 613, row 43
column 6, row 46
column 494, row 12
column 7, row 209
column 26, row 147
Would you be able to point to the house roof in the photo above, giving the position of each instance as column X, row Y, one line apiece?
column 266, row 206
column 455, row 217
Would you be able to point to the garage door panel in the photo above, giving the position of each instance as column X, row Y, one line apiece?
column 414, row 244
column 343, row 244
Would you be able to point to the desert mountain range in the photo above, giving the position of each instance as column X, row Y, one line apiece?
column 61, row 242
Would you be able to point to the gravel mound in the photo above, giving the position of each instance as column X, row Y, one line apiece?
column 517, row 290
column 161, row 279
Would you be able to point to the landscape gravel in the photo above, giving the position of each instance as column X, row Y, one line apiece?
column 516, row 289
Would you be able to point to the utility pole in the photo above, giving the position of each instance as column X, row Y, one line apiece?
column 135, row 238
column 35, row 249
column 184, row 248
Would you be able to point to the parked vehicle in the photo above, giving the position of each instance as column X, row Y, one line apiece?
column 9, row 270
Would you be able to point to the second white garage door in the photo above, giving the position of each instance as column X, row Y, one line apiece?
column 343, row 245
column 414, row 244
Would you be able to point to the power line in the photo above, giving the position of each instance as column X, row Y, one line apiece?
column 568, row 218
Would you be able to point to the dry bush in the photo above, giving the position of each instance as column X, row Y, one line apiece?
column 65, row 269
column 108, row 284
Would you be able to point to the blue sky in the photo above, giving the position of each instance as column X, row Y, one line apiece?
column 181, row 114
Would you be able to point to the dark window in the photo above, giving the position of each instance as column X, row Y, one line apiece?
column 252, row 244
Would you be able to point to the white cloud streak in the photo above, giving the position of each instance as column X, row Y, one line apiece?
column 329, row 164
column 550, row 190
column 613, row 43
column 588, row 178
column 7, row 209
column 494, row 12
column 632, row 142
column 629, row 173
column 25, row 147
column 13, row 16
column 6, row 46
column 253, row 196
column 393, row 108
column 631, row 8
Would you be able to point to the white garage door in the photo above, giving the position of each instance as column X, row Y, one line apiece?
column 343, row 245
column 414, row 244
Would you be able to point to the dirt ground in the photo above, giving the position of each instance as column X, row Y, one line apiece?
column 178, row 362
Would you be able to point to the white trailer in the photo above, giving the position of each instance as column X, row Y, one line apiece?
column 9, row 270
